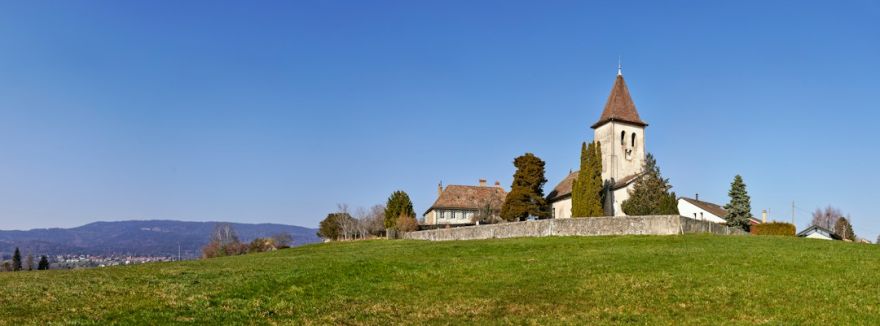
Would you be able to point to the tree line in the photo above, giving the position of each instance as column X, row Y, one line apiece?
column 17, row 265
column 833, row 219
column 397, row 215
column 224, row 241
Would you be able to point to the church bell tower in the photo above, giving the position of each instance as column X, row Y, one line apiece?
column 621, row 133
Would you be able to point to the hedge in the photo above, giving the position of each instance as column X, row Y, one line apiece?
column 775, row 228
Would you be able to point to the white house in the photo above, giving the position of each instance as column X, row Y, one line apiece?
column 458, row 204
column 621, row 134
column 818, row 232
column 701, row 210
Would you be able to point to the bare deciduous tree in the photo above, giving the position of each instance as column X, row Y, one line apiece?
column 29, row 262
column 224, row 234
column 282, row 240
column 375, row 220
column 827, row 217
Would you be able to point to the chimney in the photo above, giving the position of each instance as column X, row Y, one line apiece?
column 764, row 216
column 439, row 188
column 497, row 184
column 697, row 197
column 482, row 182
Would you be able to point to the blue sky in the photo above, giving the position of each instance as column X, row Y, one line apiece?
column 277, row 111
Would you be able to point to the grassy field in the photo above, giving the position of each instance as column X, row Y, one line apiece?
column 693, row 279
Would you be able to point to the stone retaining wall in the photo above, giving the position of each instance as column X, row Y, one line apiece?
column 622, row 225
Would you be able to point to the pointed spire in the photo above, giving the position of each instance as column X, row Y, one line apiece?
column 620, row 106
column 619, row 67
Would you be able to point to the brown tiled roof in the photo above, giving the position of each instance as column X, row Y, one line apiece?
column 620, row 106
column 563, row 189
column 714, row 209
column 469, row 197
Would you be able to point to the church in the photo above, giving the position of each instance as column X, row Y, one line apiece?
column 621, row 133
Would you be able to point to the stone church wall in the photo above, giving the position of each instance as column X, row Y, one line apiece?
column 623, row 225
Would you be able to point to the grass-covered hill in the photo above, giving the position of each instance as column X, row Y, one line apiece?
column 693, row 279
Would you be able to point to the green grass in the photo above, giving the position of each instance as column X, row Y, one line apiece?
column 693, row 279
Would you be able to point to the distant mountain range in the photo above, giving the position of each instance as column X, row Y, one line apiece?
column 137, row 238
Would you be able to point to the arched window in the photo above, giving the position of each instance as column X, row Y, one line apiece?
column 634, row 140
column 623, row 138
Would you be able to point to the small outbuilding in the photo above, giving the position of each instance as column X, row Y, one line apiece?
column 818, row 232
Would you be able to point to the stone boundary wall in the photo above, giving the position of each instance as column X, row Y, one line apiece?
column 594, row 226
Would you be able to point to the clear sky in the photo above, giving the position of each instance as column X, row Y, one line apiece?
column 275, row 111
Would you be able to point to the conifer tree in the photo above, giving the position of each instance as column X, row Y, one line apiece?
column 579, row 196
column 651, row 193
column 586, row 192
column 16, row 260
column 43, row 265
column 739, row 209
column 596, row 189
column 844, row 229
column 526, row 196
column 398, row 205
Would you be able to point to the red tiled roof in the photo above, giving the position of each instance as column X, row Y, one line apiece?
column 469, row 197
column 620, row 106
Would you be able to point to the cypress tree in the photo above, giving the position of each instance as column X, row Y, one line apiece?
column 16, row 260
column 398, row 205
column 586, row 192
column 579, row 192
column 526, row 196
column 739, row 209
column 43, row 264
column 651, row 193
column 596, row 186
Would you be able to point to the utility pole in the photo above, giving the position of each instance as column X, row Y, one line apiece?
column 792, row 212
column 178, row 250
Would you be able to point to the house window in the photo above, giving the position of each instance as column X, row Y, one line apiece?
column 634, row 140
column 623, row 138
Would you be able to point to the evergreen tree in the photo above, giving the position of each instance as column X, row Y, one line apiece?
column 651, row 193
column 586, row 192
column 579, row 196
column 331, row 227
column 597, row 187
column 739, row 209
column 16, row 260
column 398, row 205
column 526, row 197
column 844, row 229
column 43, row 264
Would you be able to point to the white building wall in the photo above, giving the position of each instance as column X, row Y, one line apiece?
column 620, row 160
column 619, row 196
column 817, row 235
column 687, row 209
column 562, row 208
column 453, row 216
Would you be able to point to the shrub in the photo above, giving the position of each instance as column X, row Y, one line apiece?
column 407, row 224
column 262, row 245
column 774, row 228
